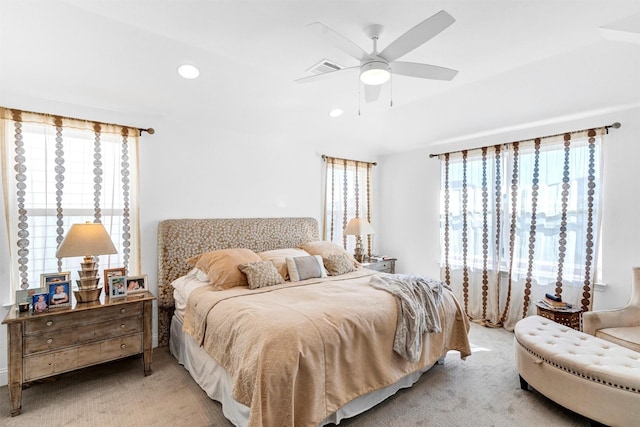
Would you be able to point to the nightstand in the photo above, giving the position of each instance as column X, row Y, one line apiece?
column 387, row 265
column 65, row 339
column 566, row 316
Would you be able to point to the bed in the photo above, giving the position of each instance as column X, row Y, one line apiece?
column 310, row 351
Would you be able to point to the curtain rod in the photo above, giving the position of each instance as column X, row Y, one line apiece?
column 324, row 157
column 150, row 131
column 615, row 125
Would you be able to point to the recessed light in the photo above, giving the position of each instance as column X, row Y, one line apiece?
column 336, row 112
column 188, row 71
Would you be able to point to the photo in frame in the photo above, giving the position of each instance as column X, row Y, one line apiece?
column 59, row 294
column 47, row 278
column 111, row 272
column 136, row 284
column 40, row 303
column 24, row 297
column 117, row 287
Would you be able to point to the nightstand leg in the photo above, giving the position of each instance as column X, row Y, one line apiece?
column 15, row 368
column 147, row 355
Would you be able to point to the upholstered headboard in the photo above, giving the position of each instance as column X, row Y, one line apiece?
column 180, row 239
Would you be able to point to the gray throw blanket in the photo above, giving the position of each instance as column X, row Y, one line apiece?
column 418, row 298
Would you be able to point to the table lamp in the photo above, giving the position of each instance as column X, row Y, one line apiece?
column 358, row 227
column 86, row 240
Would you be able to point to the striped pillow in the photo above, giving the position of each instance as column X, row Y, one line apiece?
column 305, row 267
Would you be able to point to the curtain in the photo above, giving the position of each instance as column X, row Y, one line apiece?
column 347, row 196
column 521, row 220
column 66, row 171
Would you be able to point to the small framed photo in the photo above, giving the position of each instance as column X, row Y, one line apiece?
column 59, row 294
column 47, row 278
column 136, row 284
column 40, row 303
column 117, row 287
column 24, row 297
column 111, row 272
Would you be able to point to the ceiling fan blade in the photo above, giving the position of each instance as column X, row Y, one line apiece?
column 416, row 36
column 338, row 40
column 316, row 77
column 423, row 71
column 372, row 92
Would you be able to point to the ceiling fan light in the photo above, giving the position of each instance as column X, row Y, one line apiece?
column 375, row 73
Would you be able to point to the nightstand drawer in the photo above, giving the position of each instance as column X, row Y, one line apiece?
column 56, row 362
column 61, row 338
column 50, row 322
column 380, row 266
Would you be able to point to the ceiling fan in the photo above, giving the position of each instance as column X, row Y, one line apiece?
column 376, row 67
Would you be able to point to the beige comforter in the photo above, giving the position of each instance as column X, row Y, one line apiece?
column 297, row 352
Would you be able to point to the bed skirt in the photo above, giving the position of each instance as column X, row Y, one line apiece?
column 217, row 383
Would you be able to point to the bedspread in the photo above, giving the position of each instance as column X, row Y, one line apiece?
column 299, row 351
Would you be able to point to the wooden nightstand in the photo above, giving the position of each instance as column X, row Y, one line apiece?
column 570, row 317
column 65, row 339
column 385, row 265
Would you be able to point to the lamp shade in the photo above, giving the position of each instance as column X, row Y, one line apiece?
column 86, row 239
column 358, row 227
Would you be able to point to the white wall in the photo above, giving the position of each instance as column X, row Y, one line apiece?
column 410, row 185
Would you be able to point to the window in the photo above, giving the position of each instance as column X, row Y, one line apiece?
column 67, row 171
column 347, row 196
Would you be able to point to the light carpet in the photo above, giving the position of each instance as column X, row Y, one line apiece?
column 483, row 390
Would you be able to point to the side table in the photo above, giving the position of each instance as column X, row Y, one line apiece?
column 65, row 339
column 385, row 265
column 570, row 317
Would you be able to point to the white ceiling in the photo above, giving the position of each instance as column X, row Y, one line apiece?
column 520, row 63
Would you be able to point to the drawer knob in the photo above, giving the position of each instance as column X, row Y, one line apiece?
column 122, row 310
column 49, row 322
column 122, row 326
column 50, row 340
column 122, row 346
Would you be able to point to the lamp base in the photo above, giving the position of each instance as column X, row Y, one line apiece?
column 87, row 295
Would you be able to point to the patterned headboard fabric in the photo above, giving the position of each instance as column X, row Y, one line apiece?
column 180, row 239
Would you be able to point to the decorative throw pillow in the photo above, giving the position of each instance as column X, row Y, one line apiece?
column 338, row 264
column 305, row 267
column 221, row 266
column 324, row 249
column 261, row 274
column 278, row 257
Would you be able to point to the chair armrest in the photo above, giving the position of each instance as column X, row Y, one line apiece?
column 620, row 317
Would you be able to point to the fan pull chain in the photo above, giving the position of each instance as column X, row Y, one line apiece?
column 391, row 90
column 359, row 95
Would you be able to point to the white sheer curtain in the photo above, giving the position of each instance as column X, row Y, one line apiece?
column 66, row 171
column 347, row 195
column 519, row 221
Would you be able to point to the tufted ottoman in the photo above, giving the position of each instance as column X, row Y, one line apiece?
column 588, row 375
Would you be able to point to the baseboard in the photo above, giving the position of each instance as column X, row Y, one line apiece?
column 4, row 377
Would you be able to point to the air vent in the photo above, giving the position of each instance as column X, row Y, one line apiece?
column 324, row 66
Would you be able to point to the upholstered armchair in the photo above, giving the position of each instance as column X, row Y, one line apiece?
column 622, row 325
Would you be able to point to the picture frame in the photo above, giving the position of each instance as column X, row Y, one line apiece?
column 47, row 278
column 59, row 294
column 111, row 272
column 24, row 297
column 40, row 303
column 136, row 284
column 117, row 287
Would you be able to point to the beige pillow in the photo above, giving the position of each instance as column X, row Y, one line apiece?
column 277, row 256
column 261, row 274
column 338, row 264
column 221, row 266
column 324, row 249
